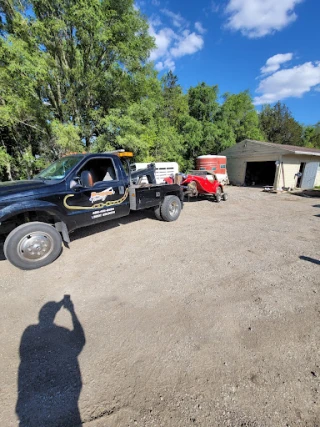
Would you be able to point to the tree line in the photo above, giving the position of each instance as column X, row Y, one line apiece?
column 75, row 76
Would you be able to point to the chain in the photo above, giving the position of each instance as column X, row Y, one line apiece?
column 97, row 205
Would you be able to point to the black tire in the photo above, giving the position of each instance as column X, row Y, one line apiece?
column 32, row 245
column 157, row 213
column 218, row 195
column 170, row 208
column 224, row 197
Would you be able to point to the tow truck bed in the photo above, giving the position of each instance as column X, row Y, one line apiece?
column 149, row 195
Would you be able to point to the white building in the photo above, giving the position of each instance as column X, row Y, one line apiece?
column 281, row 166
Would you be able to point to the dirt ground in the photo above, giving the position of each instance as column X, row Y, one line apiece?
column 213, row 320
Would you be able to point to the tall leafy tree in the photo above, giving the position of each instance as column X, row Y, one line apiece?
column 203, row 107
column 75, row 61
column 279, row 126
column 203, row 102
column 239, row 114
column 175, row 103
column 311, row 136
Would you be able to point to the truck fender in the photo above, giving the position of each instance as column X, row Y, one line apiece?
column 34, row 205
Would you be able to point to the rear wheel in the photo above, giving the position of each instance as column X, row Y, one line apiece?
column 224, row 197
column 157, row 212
column 32, row 245
column 170, row 208
column 218, row 195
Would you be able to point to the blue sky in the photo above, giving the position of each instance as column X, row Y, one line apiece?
column 271, row 47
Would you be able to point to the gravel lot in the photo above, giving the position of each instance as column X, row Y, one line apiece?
column 213, row 320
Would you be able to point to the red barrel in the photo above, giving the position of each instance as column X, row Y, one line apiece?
column 216, row 164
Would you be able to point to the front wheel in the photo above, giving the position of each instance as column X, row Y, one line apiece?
column 224, row 197
column 32, row 245
column 170, row 208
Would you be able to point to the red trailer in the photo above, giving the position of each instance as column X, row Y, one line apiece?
column 215, row 164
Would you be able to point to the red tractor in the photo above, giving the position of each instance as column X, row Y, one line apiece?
column 200, row 183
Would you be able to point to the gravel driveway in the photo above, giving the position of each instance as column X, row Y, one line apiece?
column 213, row 320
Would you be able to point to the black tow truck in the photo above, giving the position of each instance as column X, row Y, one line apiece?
column 73, row 192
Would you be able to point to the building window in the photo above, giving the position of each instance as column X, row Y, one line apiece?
column 222, row 166
column 213, row 169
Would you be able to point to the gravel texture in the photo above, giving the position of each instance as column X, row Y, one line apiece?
column 213, row 320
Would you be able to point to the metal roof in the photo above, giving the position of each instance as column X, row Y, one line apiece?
column 291, row 148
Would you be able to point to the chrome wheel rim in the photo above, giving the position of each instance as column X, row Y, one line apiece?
column 173, row 208
column 35, row 246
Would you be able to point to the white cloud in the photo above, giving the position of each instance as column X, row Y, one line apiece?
column 167, row 64
column 288, row 83
column 257, row 18
column 198, row 26
column 164, row 39
column 173, row 43
column 273, row 64
column 188, row 44
column 155, row 2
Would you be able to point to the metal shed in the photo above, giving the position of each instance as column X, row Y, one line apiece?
column 263, row 163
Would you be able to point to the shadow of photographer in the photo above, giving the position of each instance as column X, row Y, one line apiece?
column 49, row 382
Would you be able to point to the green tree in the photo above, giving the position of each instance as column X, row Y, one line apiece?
column 175, row 103
column 204, row 107
column 203, row 104
column 311, row 136
column 70, row 63
column 239, row 114
column 279, row 126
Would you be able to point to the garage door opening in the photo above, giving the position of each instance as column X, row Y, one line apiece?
column 260, row 173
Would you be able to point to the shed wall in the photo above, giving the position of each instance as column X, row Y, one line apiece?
column 291, row 166
column 248, row 151
column 317, row 183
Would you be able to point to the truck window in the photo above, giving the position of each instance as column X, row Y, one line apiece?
column 100, row 170
column 59, row 169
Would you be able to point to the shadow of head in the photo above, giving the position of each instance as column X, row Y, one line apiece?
column 48, row 313
column 312, row 260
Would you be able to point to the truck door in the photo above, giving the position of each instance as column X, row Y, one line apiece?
column 98, row 192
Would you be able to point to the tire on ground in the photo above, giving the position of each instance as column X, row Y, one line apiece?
column 19, row 251
column 170, row 208
column 224, row 197
column 157, row 212
column 218, row 195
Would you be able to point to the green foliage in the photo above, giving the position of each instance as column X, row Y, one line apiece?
column 63, row 69
column 311, row 136
column 203, row 102
column 279, row 126
column 5, row 163
column 239, row 113
column 66, row 137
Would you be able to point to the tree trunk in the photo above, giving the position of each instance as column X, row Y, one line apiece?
column 9, row 172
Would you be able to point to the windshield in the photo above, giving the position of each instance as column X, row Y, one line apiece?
column 60, row 168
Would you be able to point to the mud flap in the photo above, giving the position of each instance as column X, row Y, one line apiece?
column 62, row 228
